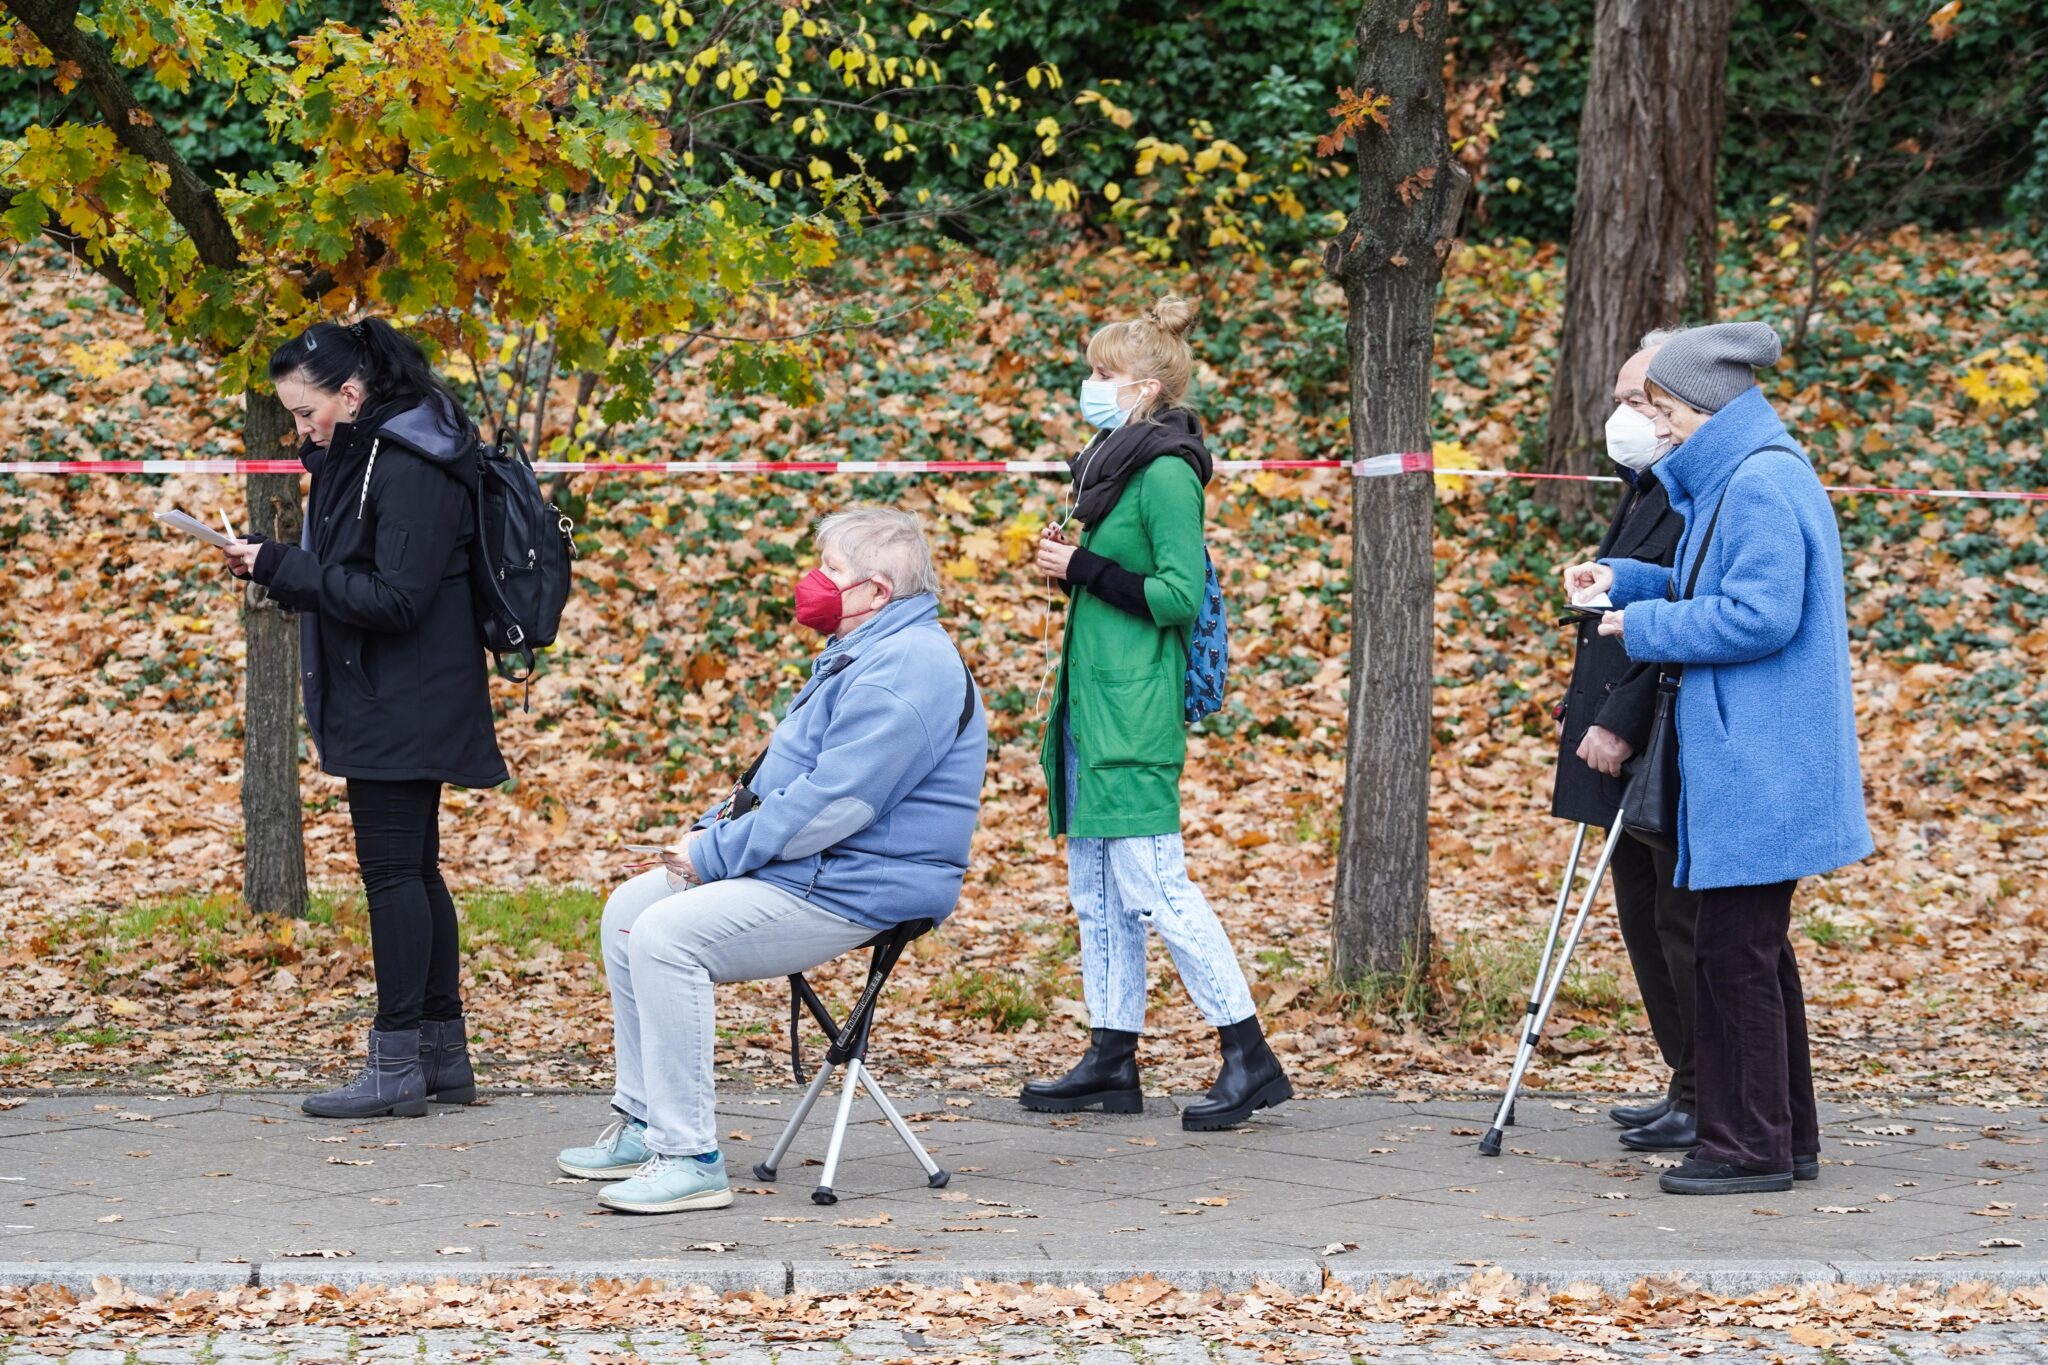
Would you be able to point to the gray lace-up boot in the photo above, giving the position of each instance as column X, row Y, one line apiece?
column 444, row 1058
column 390, row 1082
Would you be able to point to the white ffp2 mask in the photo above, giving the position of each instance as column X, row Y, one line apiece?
column 1632, row 439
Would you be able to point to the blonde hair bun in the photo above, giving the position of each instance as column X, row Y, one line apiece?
column 1173, row 314
column 1150, row 346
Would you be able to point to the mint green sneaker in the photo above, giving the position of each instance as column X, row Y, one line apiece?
column 670, row 1184
column 619, row 1151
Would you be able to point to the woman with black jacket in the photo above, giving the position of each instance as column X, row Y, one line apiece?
column 392, row 658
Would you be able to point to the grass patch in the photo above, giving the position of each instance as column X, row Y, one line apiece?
column 1277, row 961
column 203, row 929
column 1824, row 932
column 104, row 1036
column 562, row 917
column 1474, row 986
column 1065, row 946
column 191, row 918
column 1006, row 1000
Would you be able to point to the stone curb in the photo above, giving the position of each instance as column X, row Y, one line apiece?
column 153, row 1278
column 768, row 1277
column 1299, row 1275
column 1296, row 1275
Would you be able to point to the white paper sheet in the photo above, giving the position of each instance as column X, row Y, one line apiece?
column 192, row 526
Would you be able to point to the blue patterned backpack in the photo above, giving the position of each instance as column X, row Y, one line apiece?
column 1208, row 649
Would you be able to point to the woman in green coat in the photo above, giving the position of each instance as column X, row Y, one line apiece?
column 1116, row 742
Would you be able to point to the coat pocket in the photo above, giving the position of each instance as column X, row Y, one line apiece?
column 1130, row 716
column 347, row 652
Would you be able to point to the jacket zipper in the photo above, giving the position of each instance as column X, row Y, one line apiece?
column 364, row 500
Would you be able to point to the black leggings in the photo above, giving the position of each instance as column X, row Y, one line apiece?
column 413, row 937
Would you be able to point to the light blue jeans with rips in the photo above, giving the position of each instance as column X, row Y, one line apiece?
column 1121, row 888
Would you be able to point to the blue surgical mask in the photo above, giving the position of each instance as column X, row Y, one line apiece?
column 1098, row 403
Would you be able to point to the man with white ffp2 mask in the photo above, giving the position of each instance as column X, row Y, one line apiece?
column 1604, row 718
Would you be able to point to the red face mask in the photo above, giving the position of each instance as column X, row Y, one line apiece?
column 820, row 603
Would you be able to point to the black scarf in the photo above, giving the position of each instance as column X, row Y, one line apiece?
column 1109, row 462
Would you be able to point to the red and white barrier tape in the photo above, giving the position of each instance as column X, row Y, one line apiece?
column 1375, row 466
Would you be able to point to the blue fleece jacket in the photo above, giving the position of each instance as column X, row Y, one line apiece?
column 1770, row 784
column 871, row 786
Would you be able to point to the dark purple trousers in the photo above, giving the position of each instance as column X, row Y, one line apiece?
column 1754, row 1068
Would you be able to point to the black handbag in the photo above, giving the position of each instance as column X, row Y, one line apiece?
column 1649, row 803
column 1649, row 800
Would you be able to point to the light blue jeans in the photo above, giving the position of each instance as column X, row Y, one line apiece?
column 1120, row 889
column 663, row 949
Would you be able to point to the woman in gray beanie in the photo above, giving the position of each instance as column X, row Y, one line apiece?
column 1771, row 789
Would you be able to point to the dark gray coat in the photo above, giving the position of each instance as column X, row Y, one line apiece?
column 1607, row 688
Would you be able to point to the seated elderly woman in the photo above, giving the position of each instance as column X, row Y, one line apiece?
column 857, row 819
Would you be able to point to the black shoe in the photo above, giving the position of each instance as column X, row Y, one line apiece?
column 1806, row 1167
column 391, row 1082
column 1637, row 1116
column 444, row 1059
column 1251, row 1079
column 1718, row 1177
column 1107, row 1074
column 1677, row 1131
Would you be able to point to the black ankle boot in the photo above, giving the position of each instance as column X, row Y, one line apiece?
column 1251, row 1079
column 1106, row 1075
column 444, row 1059
column 390, row 1082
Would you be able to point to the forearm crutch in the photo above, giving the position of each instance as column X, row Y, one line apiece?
column 1550, row 976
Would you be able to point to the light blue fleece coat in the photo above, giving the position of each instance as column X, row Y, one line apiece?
column 1770, row 784
column 870, row 789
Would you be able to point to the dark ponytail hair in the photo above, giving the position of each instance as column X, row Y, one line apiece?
column 389, row 364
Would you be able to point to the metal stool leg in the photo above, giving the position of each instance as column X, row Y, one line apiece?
column 1525, row 1052
column 823, row 1194
column 765, row 1170
column 933, row 1174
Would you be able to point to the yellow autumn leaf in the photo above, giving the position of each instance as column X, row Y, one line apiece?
column 1020, row 537
column 981, row 546
column 1451, row 455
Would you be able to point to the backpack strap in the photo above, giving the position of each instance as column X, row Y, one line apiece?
column 967, row 706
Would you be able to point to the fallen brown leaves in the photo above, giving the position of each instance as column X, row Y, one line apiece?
column 1145, row 1306
column 120, row 702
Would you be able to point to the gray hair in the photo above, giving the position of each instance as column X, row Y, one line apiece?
column 881, row 542
column 1656, row 337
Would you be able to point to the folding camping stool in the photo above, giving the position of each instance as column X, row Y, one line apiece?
column 848, row 1048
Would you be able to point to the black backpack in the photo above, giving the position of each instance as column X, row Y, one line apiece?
column 519, row 560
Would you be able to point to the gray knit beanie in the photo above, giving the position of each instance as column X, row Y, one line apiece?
column 1710, row 367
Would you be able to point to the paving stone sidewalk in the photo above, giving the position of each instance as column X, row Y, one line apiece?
column 240, row 1187
column 1992, row 1344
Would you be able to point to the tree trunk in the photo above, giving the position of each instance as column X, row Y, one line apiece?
column 273, row 851
column 1390, row 259
column 1643, row 220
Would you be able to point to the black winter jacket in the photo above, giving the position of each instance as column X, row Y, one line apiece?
column 1607, row 688
column 391, row 655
